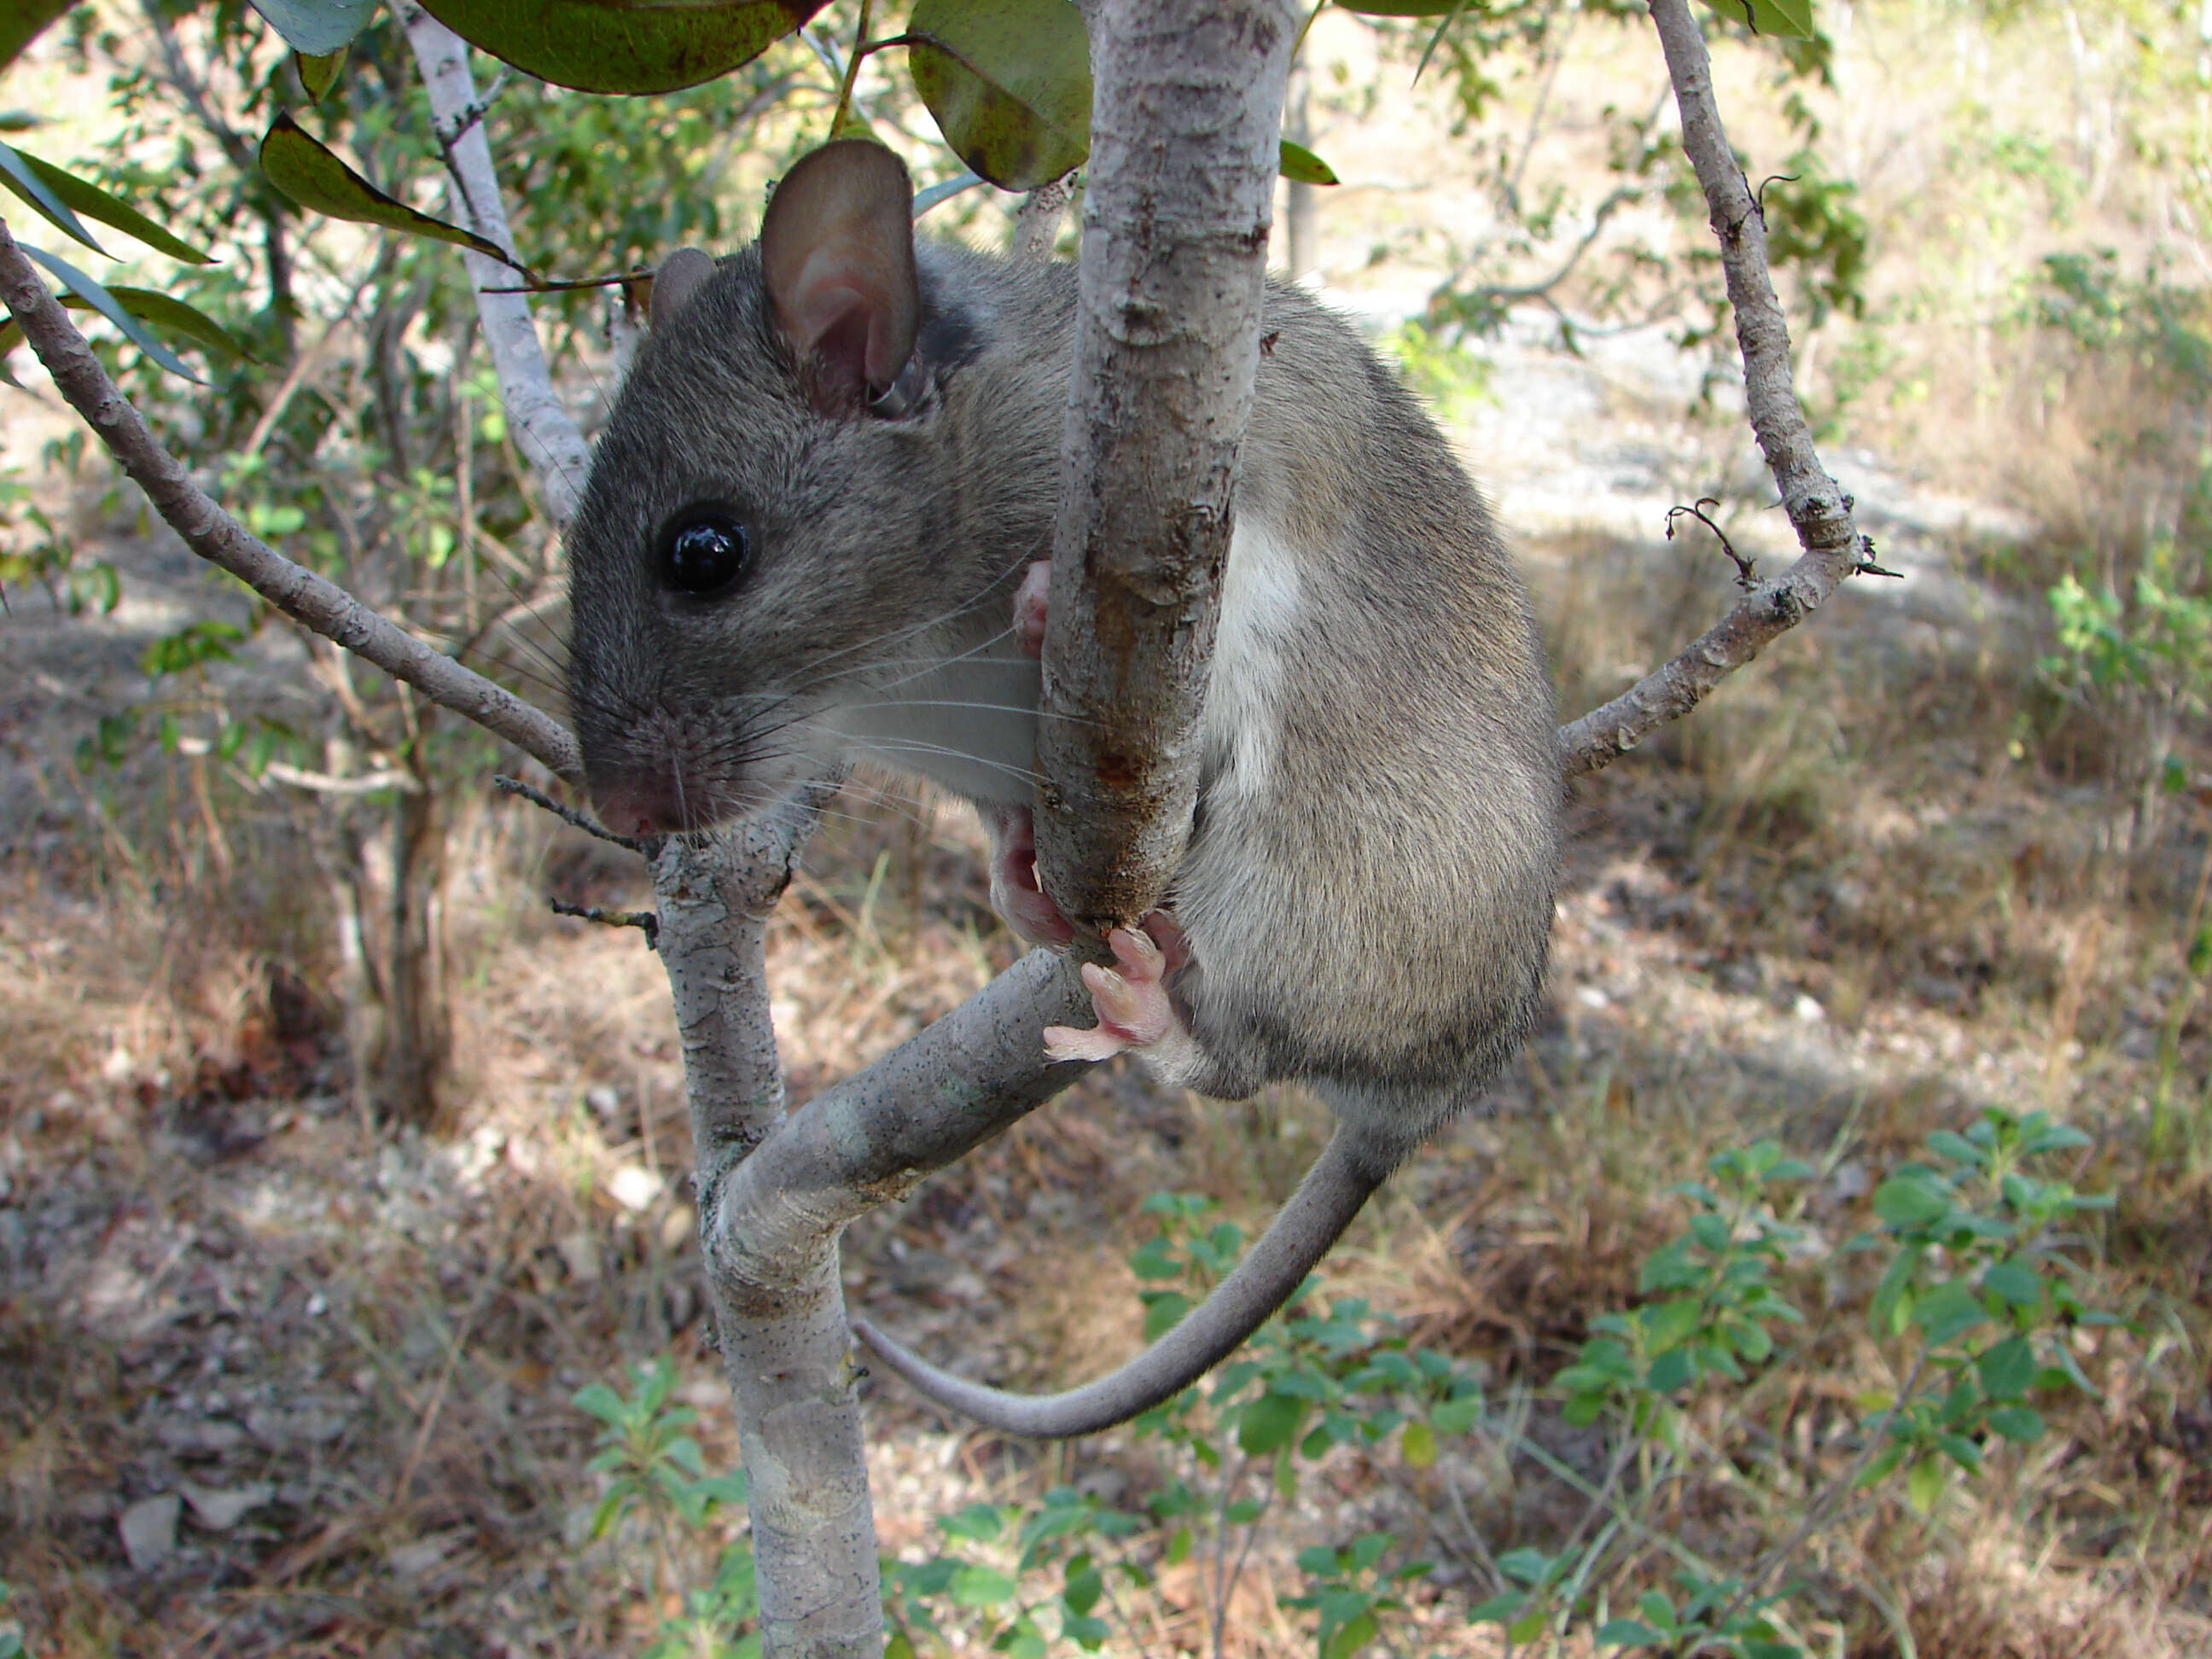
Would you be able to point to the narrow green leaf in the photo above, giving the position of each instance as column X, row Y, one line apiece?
column 17, row 173
column 315, row 177
column 11, row 335
column 1791, row 17
column 95, row 203
column 316, row 28
column 623, row 46
column 1009, row 83
column 1301, row 167
column 105, row 304
column 166, row 312
column 21, row 21
column 319, row 70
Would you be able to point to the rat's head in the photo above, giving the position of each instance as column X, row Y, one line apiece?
column 754, row 544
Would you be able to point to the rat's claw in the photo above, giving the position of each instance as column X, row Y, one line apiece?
column 1130, row 999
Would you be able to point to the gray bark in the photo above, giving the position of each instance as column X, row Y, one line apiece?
column 543, row 429
column 1818, row 510
column 1187, row 116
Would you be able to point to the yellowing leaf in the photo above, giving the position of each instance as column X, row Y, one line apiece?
column 1301, row 167
column 1418, row 1445
column 315, row 177
column 319, row 71
column 1009, row 82
column 625, row 45
column 1790, row 17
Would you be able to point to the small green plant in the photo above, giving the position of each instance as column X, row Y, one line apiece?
column 1971, row 1310
column 1971, row 1307
column 1234, row 1448
column 655, row 1468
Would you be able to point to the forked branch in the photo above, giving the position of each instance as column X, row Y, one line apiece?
column 1818, row 510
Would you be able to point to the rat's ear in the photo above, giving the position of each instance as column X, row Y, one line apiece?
column 681, row 275
column 837, row 255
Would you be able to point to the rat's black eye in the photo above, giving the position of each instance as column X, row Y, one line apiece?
column 702, row 550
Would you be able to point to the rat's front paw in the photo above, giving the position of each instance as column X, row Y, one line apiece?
column 1130, row 999
column 1015, row 894
column 1032, row 604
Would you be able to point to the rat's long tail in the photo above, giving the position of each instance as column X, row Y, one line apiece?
column 1340, row 1182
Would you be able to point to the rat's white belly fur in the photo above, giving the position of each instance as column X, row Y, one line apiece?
column 970, row 725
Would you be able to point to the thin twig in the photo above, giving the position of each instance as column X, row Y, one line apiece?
column 1746, row 574
column 644, row 920
column 583, row 821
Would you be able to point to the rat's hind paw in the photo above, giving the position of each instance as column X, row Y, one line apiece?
column 1131, row 998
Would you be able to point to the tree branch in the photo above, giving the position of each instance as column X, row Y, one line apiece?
column 544, row 431
column 216, row 536
column 1187, row 117
column 1818, row 510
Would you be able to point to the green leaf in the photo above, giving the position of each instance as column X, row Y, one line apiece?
column 2019, row 1423
column 2014, row 1281
column 95, row 203
column 1353, row 1635
column 1457, row 1416
column 1905, row 1201
column 1402, row 8
column 107, row 305
column 2008, row 1371
column 1418, row 1445
column 319, row 70
column 1948, row 1310
column 1009, row 83
column 1162, row 1312
column 1301, row 167
column 17, row 173
column 21, row 21
column 625, row 45
column 1270, row 1421
column 165, row 312
column 315, row 177
column 981, row 1587
column 316, row 28
column 1628, row 1633
column 1791, row 17
column 1925, row 1484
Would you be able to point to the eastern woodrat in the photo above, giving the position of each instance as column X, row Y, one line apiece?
column 808, row 540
